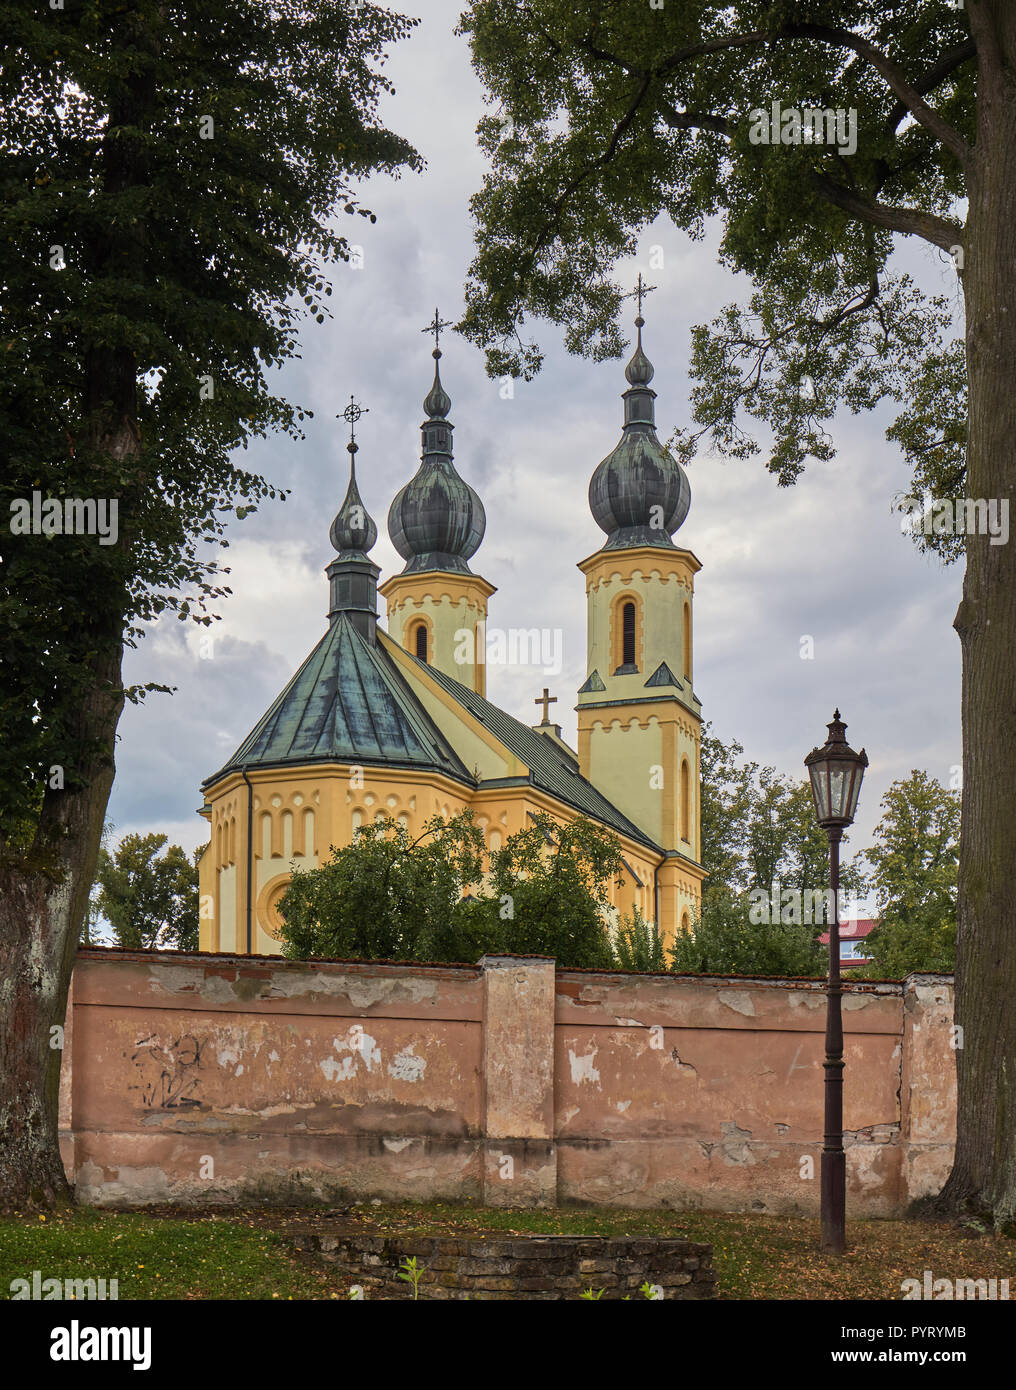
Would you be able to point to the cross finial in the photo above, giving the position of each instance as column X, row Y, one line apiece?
column 546, row 699
column 435, row 326
column 639, row 292
column 352, row 413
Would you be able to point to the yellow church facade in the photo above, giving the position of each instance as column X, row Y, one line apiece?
column 397, row 722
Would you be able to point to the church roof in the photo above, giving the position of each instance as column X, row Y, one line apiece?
column 348, row 703
column 551, row 769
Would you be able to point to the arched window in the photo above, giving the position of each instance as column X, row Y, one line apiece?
column 685, row 801
column 687, row 641
column 685, row 923
column 628, row 634
column 418, row 641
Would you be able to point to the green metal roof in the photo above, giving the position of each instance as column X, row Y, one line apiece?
column 551, row 769
column 348, row 703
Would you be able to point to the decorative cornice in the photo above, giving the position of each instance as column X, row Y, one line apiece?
column 670, row 711
column 646, row 561
column 436, row 585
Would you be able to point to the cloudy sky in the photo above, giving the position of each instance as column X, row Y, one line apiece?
column 824, row 559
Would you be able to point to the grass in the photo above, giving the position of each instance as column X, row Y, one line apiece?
column 245, row 1255
column 155, row 1258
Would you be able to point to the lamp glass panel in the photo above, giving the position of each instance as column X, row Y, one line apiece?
column 855, row 790
column 819, row 790
column 837, row 789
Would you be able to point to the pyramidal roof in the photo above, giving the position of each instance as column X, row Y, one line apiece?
column 348, row 703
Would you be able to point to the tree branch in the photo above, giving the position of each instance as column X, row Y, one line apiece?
column 695, row 120
column 908, row 95
column 910, row 221
column 604, row 158
column 937, row 73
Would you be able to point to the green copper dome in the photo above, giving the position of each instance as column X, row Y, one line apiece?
column 354, row 528
column 639, row 494
column 437, row 521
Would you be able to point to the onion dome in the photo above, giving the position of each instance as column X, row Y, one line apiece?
column 353, row 527
column 436, row 521
column 352, row 575
column 639, row 494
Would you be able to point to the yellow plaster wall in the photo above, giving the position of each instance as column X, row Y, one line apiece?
column 341, row 801
column 633, row 739
column 478, row 748
column 662, row 583
column 298, row 815
column 455, row 608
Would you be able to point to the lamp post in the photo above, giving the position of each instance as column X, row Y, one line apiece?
column 836, row 772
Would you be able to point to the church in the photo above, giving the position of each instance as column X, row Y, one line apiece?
column 398, row 722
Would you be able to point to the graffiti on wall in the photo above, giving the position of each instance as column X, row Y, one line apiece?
column 168, row 1075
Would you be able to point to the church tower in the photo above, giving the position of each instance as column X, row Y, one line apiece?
column 639, row 720
column 437, row 608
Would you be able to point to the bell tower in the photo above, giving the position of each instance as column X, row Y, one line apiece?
column 437, row 608
column 639, row 720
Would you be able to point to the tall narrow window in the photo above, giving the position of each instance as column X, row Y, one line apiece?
column 628, row 635
column 687, row 641
column 421, row 641
column 685, row 802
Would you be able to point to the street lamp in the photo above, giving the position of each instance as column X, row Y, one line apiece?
column 836, row 772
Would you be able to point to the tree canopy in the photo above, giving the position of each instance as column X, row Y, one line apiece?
column 167, row 181
column 441, row 897
column 169, row 171
column 150, row 899
column 915, row 868
column 606, row 117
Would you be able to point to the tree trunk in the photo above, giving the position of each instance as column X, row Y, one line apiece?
column 44, row 894
column 43, row 899
column 983, row 1179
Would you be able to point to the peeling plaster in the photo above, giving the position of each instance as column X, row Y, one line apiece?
column 358, row 1044
column 739, row 1000
column 406, row 1066
column 177, row 979
column 582, row 1068
column 734, row 1145
column 806, row 999
column 682, row 1066
column 362, row 993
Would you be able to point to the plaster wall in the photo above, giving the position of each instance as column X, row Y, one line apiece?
column 201, row 1078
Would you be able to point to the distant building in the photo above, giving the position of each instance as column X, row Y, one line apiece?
column 398, row 722
column 852, row 939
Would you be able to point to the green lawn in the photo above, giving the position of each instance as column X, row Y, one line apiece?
column 154, row 1257
column 245, row 1254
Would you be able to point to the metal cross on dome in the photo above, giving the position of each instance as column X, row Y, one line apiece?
column 352, row 413
column 435, row 327
column 640, row 291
